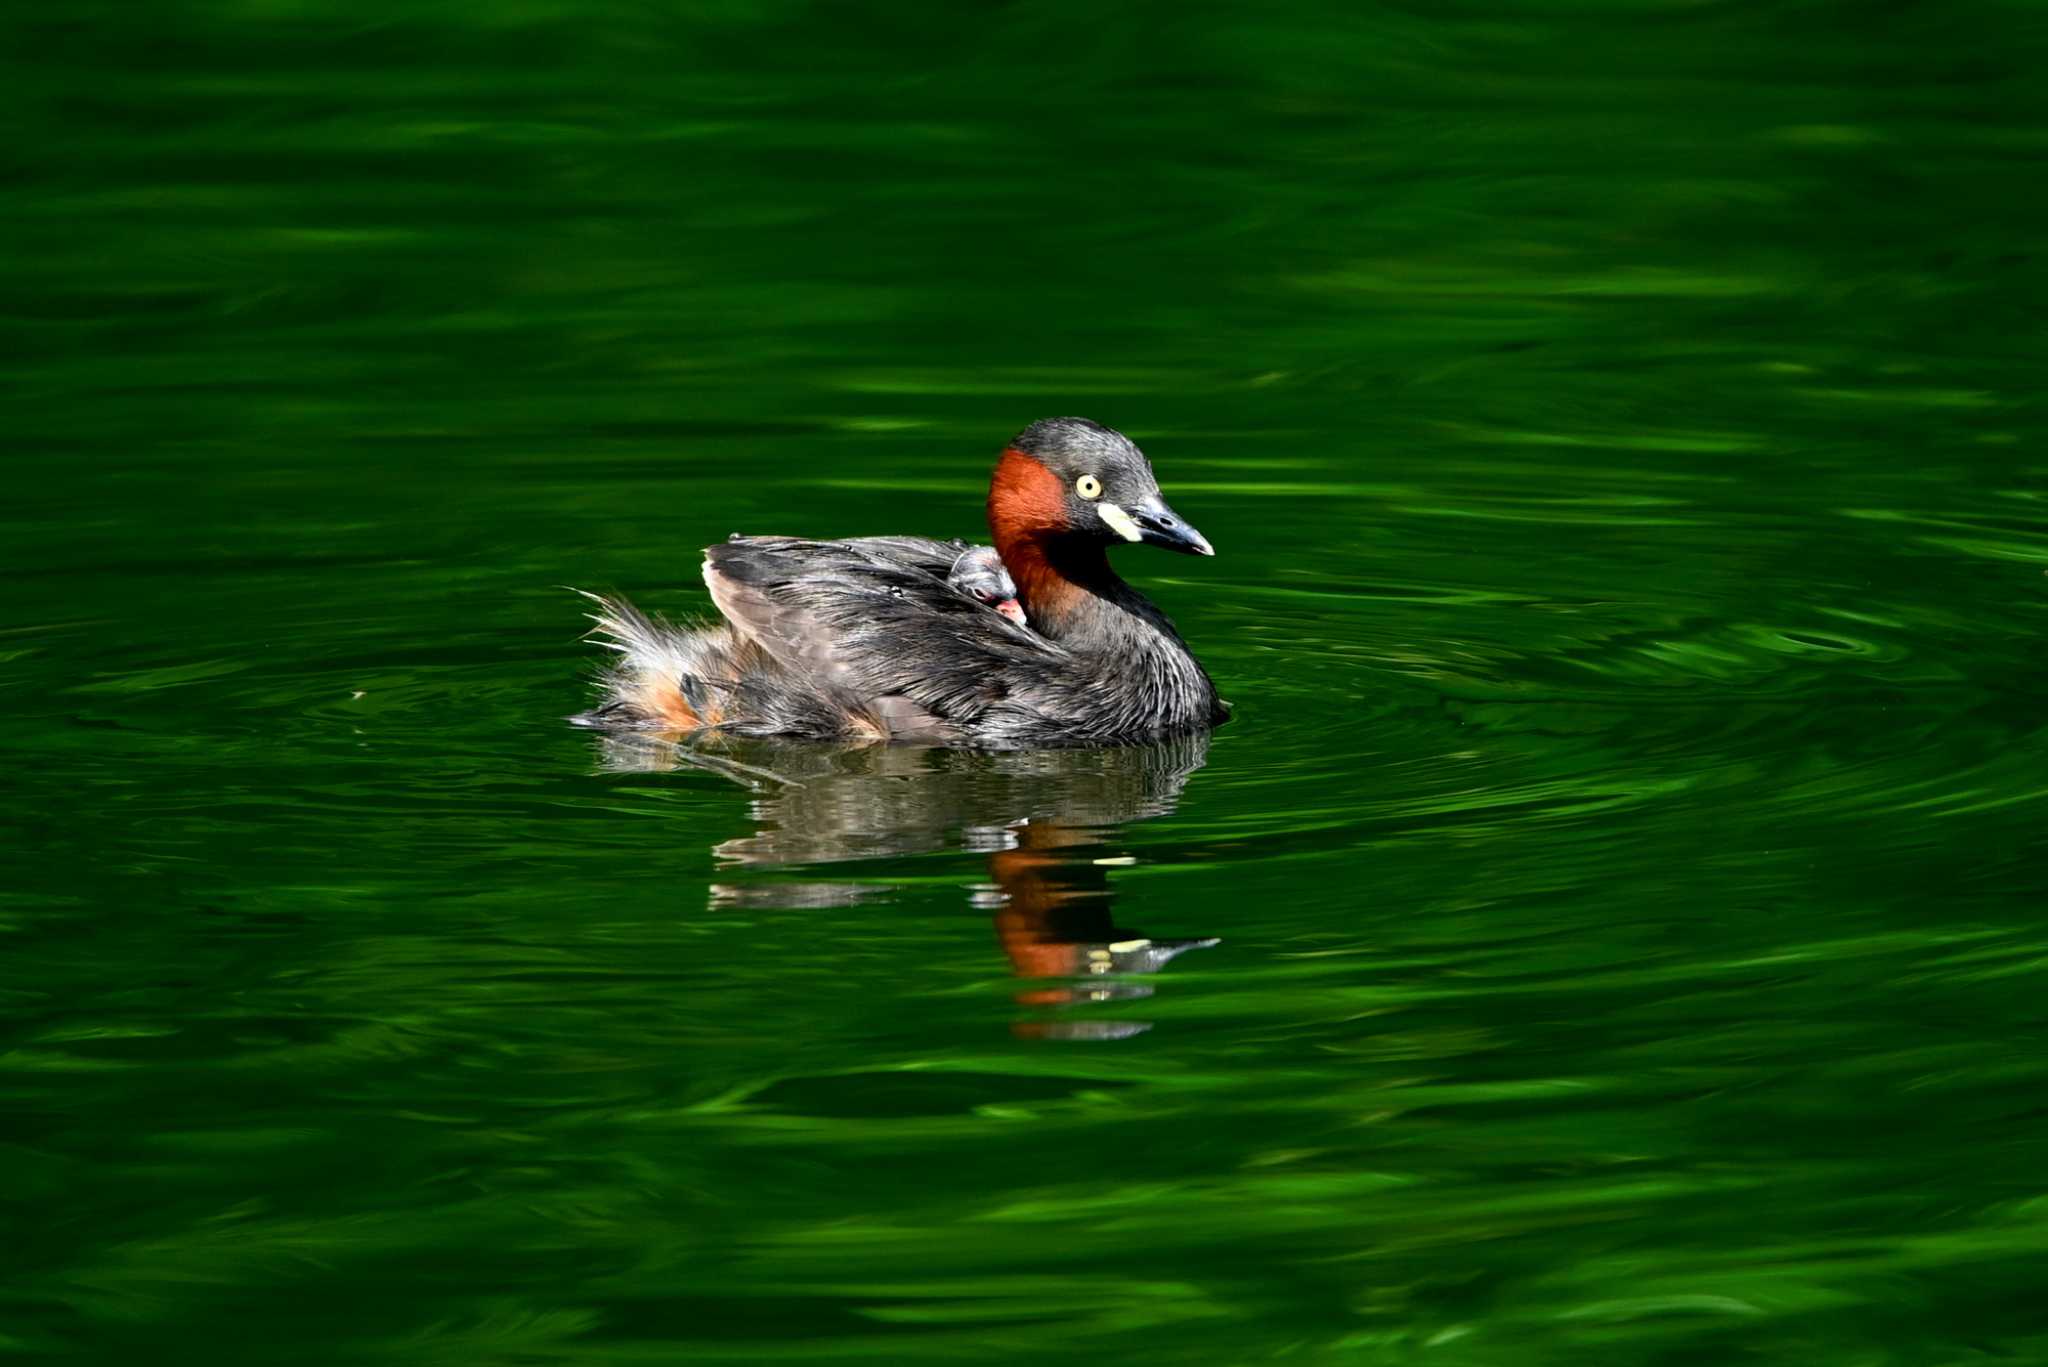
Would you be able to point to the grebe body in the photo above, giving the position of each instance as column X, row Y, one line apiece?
column 895, row 638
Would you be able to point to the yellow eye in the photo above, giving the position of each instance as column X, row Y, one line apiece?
column 1088, row 486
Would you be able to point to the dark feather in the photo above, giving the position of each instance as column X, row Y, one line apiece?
column 871, row 621
column 865, row 638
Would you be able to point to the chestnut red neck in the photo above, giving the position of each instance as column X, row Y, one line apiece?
column 1025, row 499
column 1058, row 572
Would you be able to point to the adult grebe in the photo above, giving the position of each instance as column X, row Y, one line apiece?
column 867, row 638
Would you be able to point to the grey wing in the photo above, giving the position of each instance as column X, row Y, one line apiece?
column 875, row 627
column 911, row 552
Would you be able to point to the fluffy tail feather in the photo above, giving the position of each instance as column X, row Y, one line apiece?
column 666, row 677
column 708, row 679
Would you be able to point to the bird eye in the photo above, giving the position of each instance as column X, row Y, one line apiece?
column 1088, row 486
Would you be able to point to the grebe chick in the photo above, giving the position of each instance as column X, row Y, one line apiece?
column 979, row 573
column 867, row 638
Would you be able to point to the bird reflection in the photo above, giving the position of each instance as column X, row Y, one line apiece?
column 1046, row 819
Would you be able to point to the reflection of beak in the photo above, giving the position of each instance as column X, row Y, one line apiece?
column 1012, row 609
column 1155, row 523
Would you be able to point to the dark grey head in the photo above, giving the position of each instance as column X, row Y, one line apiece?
column 1100, row 485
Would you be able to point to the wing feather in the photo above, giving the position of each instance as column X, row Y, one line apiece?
column 874, row 623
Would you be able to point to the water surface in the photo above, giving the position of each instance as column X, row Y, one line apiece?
column 1619, row 426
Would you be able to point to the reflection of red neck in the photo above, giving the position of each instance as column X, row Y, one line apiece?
column 1027, row 511
column 1057, row 906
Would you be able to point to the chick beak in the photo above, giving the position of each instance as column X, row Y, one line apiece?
column 1012, row 609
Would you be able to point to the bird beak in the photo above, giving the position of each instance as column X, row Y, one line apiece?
column 1158, row 525
column 1012, row 609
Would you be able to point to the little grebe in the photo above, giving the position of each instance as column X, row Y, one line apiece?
column 867, row 638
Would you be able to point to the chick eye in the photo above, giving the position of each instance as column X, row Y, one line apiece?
column 1088, row 486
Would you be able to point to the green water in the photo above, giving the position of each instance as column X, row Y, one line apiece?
column 1620, row 428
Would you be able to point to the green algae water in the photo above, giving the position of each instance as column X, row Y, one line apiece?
column 1612, row 930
